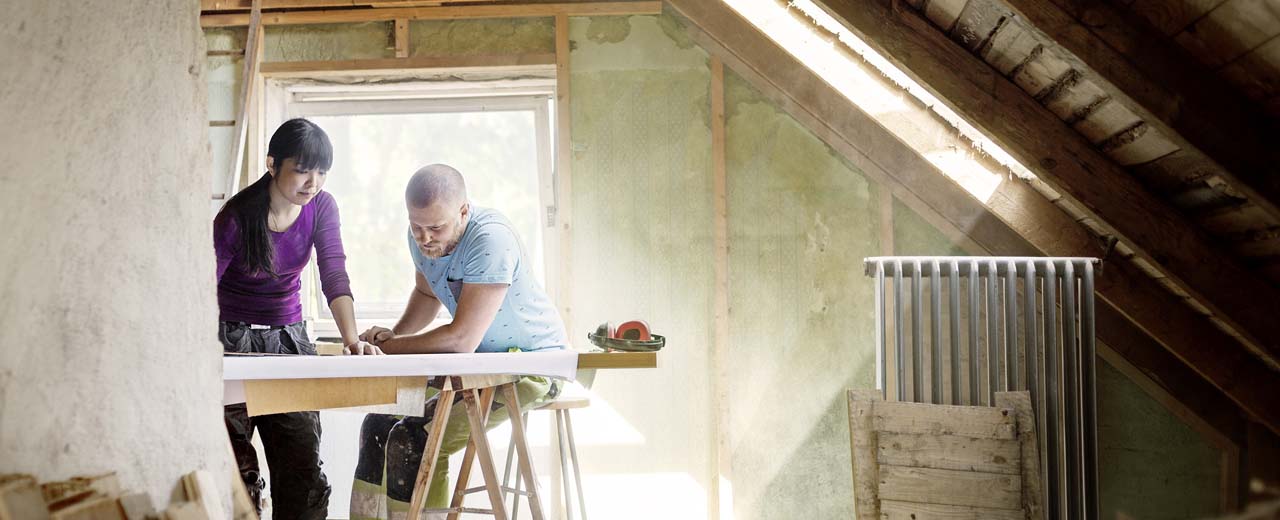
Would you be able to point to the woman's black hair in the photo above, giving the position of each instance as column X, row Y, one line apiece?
column 297, row 139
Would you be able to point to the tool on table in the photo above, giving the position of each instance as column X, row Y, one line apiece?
column 632, row 336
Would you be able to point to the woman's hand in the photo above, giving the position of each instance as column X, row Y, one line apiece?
column 377, row 335
column 361, row 348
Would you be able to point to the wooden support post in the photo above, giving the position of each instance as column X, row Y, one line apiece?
column 564, row 182
column 402, row 37
column 722, row 472
column 248, row 81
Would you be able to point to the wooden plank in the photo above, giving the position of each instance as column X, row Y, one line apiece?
column 1016, row 220
column 98, row 508
column 281, row 69
column 723, row 460
column 1257, row 73
column 21, row 499
column 268, row 396
column 895, row 510
column 1072, row 167
column 948, row 452
column 618, row 360
column 248, row 81
column 438, row 13
column 945, row 486
column 1033, row 498
column 402, row 37
column 939, row 419
column 862, row 444
column 201, row 489
column 563, row 170
column 1164, row 89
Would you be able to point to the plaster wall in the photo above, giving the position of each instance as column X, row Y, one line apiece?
column 110, row 357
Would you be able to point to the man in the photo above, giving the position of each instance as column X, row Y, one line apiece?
column 470, row 261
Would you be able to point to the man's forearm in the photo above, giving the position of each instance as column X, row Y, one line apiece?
column 440, row 340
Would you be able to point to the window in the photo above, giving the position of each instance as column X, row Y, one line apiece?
column 498, row 136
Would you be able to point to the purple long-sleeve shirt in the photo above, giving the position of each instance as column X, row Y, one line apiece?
column 261, row 299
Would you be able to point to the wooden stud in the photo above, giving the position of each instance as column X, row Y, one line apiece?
column 431, row 452
column 248, row 82
column 402, row 37
column 722, row 470
column 437, row 13
column 512, row 62
column 563, row 170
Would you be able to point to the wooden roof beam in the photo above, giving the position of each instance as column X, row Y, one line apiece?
column 1135, row 63
column 1066, row 161
column 1017, row 221
column 435, row 13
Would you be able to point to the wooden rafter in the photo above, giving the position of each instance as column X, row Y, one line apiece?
column 435, row 13
column 1070, row 164
column 248, row 83
column 244, row 5
column 1135, row 63
column 1017, row 220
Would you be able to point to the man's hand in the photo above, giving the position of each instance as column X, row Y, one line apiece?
column 377, row 335
column 361, row 348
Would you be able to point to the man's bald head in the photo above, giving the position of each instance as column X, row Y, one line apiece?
column 435, row 183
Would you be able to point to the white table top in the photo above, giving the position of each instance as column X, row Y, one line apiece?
column 562, row 364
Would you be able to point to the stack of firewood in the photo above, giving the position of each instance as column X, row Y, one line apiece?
column 99, row 497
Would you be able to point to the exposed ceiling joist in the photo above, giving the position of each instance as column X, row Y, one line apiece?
column 1135, row 63
column 1017, row 220
column 1070, row 164
column 435, row 13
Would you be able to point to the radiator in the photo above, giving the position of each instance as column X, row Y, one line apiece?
column 991, row 324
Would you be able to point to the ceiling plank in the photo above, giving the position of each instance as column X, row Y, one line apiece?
column 1066, row 161
column 1169, row 91
column 435, row 13
column 1016, row 221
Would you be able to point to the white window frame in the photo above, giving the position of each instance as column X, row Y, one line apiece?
column 289, row 98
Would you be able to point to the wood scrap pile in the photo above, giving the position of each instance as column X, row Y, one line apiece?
column 99, row 497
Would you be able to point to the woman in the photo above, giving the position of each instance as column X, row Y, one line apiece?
column 263, row 238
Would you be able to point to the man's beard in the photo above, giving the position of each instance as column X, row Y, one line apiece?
column 447, row 246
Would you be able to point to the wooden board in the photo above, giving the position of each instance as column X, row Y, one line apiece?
column 863, row 452
column 437, row 13
column 285, row 69
column 951, row 487
column 895, row 510
column 931, row 419
column 949, row 452
column 99, row 508
column 268, row 396
column 21, row 499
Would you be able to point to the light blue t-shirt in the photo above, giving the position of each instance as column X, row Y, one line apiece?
column 489, row 252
